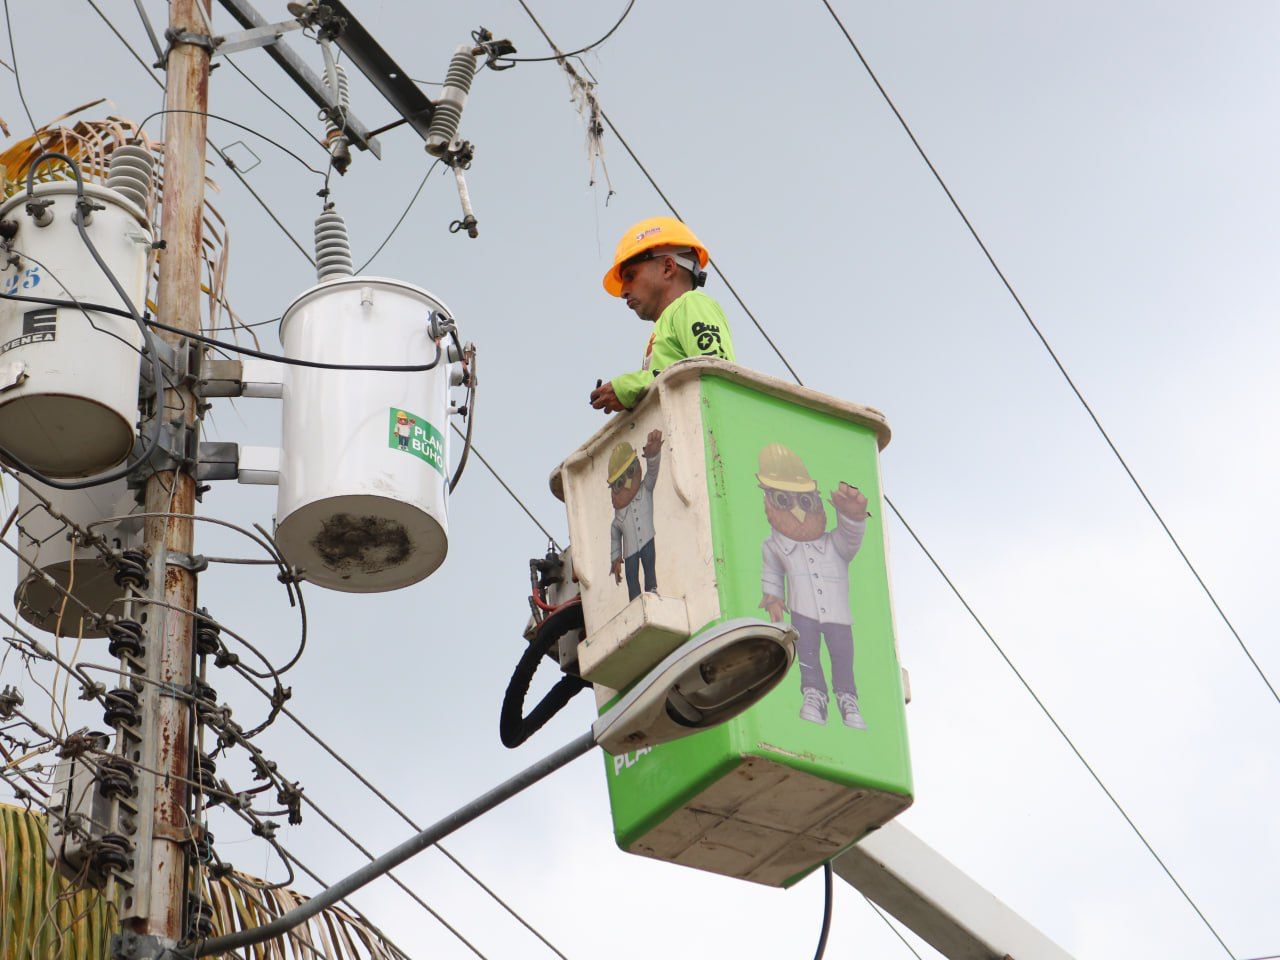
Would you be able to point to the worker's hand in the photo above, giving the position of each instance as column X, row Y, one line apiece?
column 603, row 398
column 654, row 444
column 774, row 605
column 849, row 502
column 616, row 570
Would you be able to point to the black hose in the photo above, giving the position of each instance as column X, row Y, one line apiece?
column 828, row 896
column 514, row 727
column 152, row 441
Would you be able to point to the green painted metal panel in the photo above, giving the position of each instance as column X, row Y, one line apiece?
column 740, row 424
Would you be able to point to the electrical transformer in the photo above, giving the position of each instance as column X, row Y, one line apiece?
column 69, row 377
column 365, row 453
column 46, row 553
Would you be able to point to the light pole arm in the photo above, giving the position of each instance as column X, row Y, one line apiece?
column 398, row 855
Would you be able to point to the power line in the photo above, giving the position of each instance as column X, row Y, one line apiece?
column 458, row 863
column 412, row 200
column 889, row 923
column 1052, row 353
column 396, row 809
column 17, row 77
column 920, row 543
column 1057, row 726
column 574, row 53
column 218, row 150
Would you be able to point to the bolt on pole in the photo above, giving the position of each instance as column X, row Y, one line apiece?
column 173, row 491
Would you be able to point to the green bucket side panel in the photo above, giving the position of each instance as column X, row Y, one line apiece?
column 739, row 423
column 647, row 786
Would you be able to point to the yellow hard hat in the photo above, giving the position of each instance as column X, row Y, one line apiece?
column 623, row 456
column 781, row 469
column 645, row 235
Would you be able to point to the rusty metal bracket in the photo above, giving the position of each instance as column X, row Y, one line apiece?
column 195, row 562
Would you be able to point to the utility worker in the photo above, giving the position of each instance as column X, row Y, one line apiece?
column 657, row 269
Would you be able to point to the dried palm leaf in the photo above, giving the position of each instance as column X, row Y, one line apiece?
column 90, row 142
column 44, row 916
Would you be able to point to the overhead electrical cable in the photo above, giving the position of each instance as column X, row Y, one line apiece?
column 920, row 543
column 1057, row 726
column 218, row 150
column 301, row 249
column 412, row 200
column 396, row 809
column 580, row 50
column 17, row 76
column 1052, row 353
column 235, row 123
column 889, row 923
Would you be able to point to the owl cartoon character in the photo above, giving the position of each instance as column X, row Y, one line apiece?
column 806, row 573
column 631, row 534
column 404, row 426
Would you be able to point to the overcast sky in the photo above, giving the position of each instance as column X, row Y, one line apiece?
column 1117, row 158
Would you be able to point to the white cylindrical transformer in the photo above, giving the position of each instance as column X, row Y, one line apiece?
column 69, row 383
column 364, row 454
column 43, row 548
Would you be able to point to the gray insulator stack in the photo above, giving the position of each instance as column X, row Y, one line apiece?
column 334, row 130
column 333, row 246
column 448, row 109
column 131, row 173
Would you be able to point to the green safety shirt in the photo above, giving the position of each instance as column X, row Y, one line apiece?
column 693, row 325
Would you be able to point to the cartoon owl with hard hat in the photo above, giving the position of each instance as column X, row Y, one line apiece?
column 631, row 535
column 805, row 573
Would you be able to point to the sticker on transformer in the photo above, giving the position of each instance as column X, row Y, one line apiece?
column 38, row 326
column 413, row 434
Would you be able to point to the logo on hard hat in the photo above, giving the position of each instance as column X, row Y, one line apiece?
column 647, row 233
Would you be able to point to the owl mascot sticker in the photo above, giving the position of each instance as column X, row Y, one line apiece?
column 631, row 533
column 806, row 573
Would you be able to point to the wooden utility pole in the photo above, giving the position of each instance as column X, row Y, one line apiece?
column 171, row 493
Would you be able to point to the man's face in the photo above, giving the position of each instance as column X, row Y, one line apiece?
column 643, row 286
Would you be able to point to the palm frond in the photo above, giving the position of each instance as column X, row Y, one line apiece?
column 44, row 916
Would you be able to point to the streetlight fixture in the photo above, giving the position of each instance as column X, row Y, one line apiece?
column 709, row 679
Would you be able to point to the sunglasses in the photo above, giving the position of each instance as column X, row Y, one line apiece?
column 627, row 474
column 808, row 502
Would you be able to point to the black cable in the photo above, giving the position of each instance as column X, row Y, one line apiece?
column 294, row 361
column 234, row 123
column 281, row 107
column 1053, row 354
column 888, row 923
column 157, row 368
column 216, row 149
column 1061, row 732
column 80, row 305
column 412, row 201
column 919, row 543
column 612, row 30
column 505, row 486
column 828, row 895
column 470, row 367
column 17, row 77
